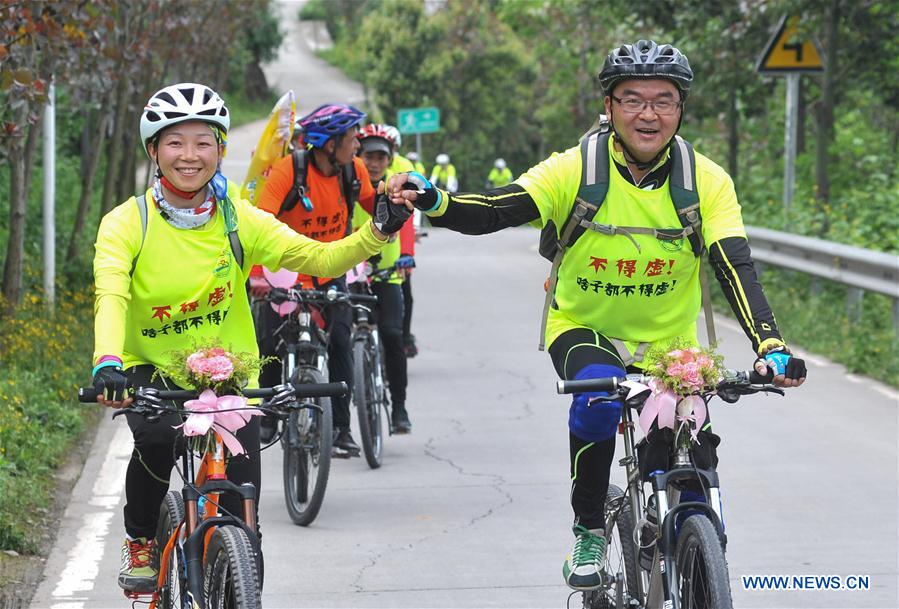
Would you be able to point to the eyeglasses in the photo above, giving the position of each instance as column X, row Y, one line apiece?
column 635, row 105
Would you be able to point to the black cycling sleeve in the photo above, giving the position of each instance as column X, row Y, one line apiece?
column 732, row 261
column 487, row 212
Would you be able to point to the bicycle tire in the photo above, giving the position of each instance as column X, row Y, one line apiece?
column 171, row 514
column 368, row 405
column 230, row 577
column 621, row 554
column 307, row 454
column 703, row 581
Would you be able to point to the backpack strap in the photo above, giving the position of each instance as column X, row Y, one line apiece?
column 591, row 194
column 350, row 187
column 141, row 201
column 686, row 201
column 233, row 238
column 297, row 192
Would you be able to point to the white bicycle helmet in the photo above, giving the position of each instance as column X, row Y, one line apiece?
column 175, row 104
column 443, row 159
column 500, row 164
column 395, row 134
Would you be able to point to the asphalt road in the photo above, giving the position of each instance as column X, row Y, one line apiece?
column 471, row 510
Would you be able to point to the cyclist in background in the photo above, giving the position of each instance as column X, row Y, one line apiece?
column 444, row 174
column 167, row 277
column 330, row 168
column 378, row 153
column 620, row 288
column 408, row 236
column 416, row 162
column 500, row 175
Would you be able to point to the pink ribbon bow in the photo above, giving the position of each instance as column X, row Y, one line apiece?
column 665, row 406
column 211, row 410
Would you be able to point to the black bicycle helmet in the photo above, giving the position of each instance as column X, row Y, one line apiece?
column 646, row 59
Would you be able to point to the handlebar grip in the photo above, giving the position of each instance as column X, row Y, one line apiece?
column 363, row 298
column 760, row 379
column 318, row 390
column 600, row 384
column 88, row 395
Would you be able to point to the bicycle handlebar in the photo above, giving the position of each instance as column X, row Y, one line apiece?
column 88, row 395
column 732, row 379
column 281, row 295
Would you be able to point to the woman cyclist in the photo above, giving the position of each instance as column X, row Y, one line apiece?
column 167, row 275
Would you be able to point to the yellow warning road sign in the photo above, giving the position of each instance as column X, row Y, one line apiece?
column 785, row 52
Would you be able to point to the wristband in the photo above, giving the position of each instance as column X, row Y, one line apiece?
column 439, row 201
column 107, row 364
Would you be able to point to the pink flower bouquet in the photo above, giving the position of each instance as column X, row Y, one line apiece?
column 218, row 375
column 680, row 372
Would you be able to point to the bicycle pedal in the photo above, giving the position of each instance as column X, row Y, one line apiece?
column 136, row 596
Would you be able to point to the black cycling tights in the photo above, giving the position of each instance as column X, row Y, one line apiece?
column 591, row 462
column 147, row 478
column 390, row 327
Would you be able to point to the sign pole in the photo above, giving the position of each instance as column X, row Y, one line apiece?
column 418, row 147
column 789, row 54
column 50, row 199
column 791, row 128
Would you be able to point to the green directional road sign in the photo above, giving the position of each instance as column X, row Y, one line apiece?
column 418, row 120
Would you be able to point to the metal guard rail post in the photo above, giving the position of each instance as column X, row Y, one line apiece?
column 858, row 268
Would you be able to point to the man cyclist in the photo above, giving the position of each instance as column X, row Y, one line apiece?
column 167, row 272
column 377, row 152
column 416, row 162
column 620, row 291
column 500, row 175
column 444, row 174
column 328, row 135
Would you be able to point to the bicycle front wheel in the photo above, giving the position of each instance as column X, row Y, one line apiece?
column 307, row 454
column 171, row 514
column 368, row 399
column 621, row 554
column 702, row 578
column 231, row 580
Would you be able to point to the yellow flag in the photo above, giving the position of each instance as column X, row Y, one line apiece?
column 273, row 144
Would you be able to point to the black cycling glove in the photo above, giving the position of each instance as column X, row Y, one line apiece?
column 112, row 383
column 429, row 197
column 389, row 217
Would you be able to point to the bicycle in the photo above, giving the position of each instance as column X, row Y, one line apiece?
column 673, row 559
column 209, row 559
column 370, row 387
column 303, row 350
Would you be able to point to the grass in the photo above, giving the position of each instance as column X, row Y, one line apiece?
column 244, row 111
column 43, row 358
column 815, row 318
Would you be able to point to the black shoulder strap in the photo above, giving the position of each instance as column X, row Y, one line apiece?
column 298, row 190
column 350, row 187
column 684, row 194
column 590, row 196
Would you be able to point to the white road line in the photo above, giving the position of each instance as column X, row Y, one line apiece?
column 83, row 564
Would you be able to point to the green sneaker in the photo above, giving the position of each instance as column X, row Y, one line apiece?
column 138, row 573
column 582, row 567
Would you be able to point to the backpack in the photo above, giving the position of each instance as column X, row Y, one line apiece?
column 590, row 197
column 350, row 186
column 236, row 246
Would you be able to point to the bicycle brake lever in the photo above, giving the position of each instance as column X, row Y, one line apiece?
column 309, row 405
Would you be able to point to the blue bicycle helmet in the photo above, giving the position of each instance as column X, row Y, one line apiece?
column 327, row 121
